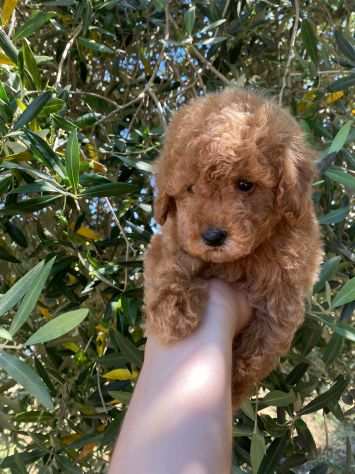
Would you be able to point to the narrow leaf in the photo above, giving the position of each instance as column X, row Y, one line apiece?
column 335, row 216
column 41, row 147
column 31, row 64
column 33, row 24
column 30, row 299
column 333, row 349
column 128, row 349
column 7, row 45
column 73, row 159
column 329, row 268
column 109, row 189
column 327, row 399
column 273, row 455
column 19, row 289
column 32, row 110
column 16, row 234
column 189, row 19
column 310, row 40
column 345, row 295
column 27, row 377
column 58, row 326
column 98, row 47
column 278, row 398
column 7, row 8
column 340, row 176
column 257, row 451
column 345, row 46
column 342, row 84
column 4, row 334
column 29, row 205
column 340, row 138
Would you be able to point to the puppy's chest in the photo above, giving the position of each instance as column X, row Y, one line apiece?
column 229, row 272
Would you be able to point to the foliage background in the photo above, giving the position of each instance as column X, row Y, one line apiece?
column 87, row 87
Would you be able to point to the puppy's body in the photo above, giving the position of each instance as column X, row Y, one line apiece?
column 234, row 201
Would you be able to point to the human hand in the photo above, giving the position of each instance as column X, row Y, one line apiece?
column 227, row 307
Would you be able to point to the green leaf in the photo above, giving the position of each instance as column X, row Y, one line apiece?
column 4, row 334
column 123, row 397
column 278, row 398
column 72, row 155
column 63, row 123
column 342, row 84
column 345, row 46
column 30, row 299
column 335, row 216
column 98, row 47
column 27, row 458
column 248, row 409
column 41, row 147
column 305, row 438
column 333, row 349
column 28, row 205
column 27, row 377
column 273, row 455
column 33, row 24
column 19, row 289
column 340, row 176
column 159, row 4
column 16, row 234
column 211, row 41
column 327, row 399
column 128, row 349
column 345, row 330
column 6, row 255
column 31, row 64
column 32, row 110
column 109, row 189
column 345, row 295
column 29, row 170
column 329, row 268
column 310, row 40
column 257, row 451
column 340, row 138
column 53, row 106
column 189, row 19
column 7, row 45
column 38, row 187
column 58, row 326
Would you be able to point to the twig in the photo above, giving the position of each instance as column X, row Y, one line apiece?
column 291, row 52
column 119, row 109
column 93, row 94
column 159, row 107
column 128, row 245
column 66, row 52
column 100, row 391
column 204, row 60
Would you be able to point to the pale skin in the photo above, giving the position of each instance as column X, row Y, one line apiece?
column 179, row 420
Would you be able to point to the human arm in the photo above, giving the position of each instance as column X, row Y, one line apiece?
column 180, row 417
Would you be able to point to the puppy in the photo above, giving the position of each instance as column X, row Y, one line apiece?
column 234, row 202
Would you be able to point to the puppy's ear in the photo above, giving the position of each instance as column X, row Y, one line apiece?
column 163, row 204
column 296, row 176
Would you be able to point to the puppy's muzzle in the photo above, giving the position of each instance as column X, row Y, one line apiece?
column 214, row 237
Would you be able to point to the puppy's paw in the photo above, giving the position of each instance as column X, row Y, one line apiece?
column 176, row 311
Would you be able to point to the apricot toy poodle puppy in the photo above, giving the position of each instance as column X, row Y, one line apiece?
column 234, row 202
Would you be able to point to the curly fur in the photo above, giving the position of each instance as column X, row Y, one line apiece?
column 273, row 247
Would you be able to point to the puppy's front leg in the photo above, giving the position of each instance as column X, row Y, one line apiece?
column 256, row 351
column 174, row 298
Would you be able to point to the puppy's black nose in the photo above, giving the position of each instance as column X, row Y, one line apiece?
column 214, row 237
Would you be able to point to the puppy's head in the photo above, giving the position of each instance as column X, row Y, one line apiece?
column 233, row 167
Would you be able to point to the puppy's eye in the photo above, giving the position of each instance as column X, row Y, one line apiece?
column 190, row 189
column 245, row 186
